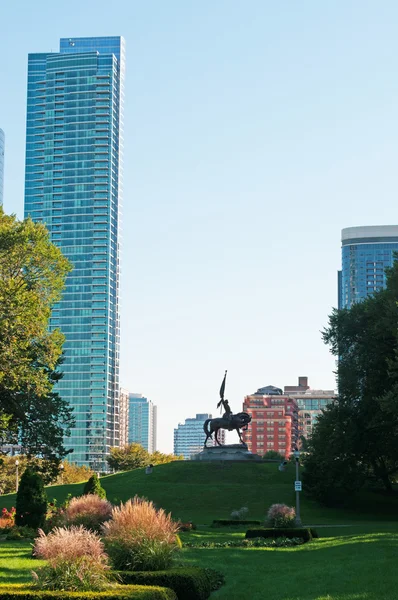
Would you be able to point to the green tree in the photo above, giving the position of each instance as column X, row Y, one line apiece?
column 31, row 505
column 32, row 276
column 132, row 456
column 158, row 458
column 356, row 439
column 93, row 486
column 73, row 473
column 274, row 455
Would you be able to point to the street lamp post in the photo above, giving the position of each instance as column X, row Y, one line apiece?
column 297, row 487
column 16, row 475
column 61, row 466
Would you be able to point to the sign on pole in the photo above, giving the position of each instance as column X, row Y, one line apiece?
column 297, row 486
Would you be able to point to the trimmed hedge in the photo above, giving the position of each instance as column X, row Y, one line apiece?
column 189, row 583
column 314, row 532
column 300, row 532
column 133, row 592
column 231, row 522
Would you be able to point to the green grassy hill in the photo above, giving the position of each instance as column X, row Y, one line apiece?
column 202, row 492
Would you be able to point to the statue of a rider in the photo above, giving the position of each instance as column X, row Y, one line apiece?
column 228, row 421
column 228, row 412
column 224, row 403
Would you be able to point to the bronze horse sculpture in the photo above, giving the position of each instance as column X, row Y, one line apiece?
column 227, row 421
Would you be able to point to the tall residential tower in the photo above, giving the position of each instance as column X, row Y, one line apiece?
column 73, row 185
column 142, row 422
column 1, row 165
column 366, row 252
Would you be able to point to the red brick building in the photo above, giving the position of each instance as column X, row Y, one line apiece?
column 274, row 424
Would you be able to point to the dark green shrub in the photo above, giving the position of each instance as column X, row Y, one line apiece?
column 233, row 522
column 93, row 486
column 314, row 532
column 216, row 579
column 298, row 532
column 133, row 592
column 189, row 583
column 31, row 506
column 21, row 533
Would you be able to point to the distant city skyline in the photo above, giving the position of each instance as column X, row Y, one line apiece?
column 366, row 253
column 246, row 154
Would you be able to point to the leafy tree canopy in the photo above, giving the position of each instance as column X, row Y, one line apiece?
column 134, row 456
column 32, row 276
column 356, row 439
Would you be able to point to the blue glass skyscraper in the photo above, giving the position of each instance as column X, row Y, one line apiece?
column 142, row 422
column 1, row 165
column 73, row 185
column 366, row 252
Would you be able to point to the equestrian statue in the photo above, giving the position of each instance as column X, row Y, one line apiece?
column 228, row 421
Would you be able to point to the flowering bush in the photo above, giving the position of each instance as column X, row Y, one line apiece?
column 240, row 514
column 280, row 542
column 90, row 510
column 7, row 518
column 76, row 560
column 140, row 537
column 281, row 515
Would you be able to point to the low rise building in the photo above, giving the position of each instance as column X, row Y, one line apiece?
column 310, row 404
column 274, row 424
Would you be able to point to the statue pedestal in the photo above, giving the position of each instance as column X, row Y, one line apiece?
column 235, row 452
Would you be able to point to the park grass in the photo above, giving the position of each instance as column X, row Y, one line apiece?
column 354, row 559
column 201, row 492
column 351, row 567
column 16, row 562
column 356, row 566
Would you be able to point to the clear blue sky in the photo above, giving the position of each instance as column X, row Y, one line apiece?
column 255, row 131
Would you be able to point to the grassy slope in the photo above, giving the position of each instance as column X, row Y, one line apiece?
column 347, row 563
column 203, row 492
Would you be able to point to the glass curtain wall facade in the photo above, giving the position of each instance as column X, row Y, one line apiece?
column 189, row 436
column 73, row 184
column 2, row 143
column 366, row 252
column 142, row 419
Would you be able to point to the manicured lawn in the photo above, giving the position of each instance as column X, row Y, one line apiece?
column 16, row 562
column 353, row 566
column 355, row 558
column 360, row 566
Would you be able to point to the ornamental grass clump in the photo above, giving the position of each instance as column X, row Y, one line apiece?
column 281, row 515
column 90, row 510
column 140, row 538
column 76, row 560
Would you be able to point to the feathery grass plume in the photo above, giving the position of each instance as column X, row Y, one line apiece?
column 76, row 560
column 140, row 537
column 90, row 510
